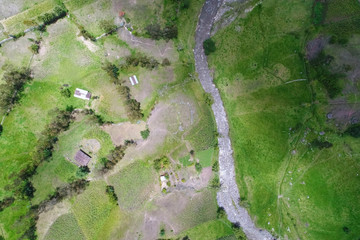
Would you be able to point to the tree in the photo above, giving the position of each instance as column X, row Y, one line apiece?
column 209, row 46
column 354, row 130
column 165, row 62
column 145, row 134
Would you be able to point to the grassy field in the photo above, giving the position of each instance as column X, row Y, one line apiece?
column 210, row 230
column 292, row 188
column 65, row 228
column 133, row 184
column 94, row 212
column 27, row 18
column 60, row 170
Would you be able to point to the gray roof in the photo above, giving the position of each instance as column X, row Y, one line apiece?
column 82, row 158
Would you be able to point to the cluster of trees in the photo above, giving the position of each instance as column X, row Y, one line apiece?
column 133, row 108
column 172, row 9
column 320, row 71
column 110, row 191
column 14, row 81
column 161, row 163
column 140, row 60
column 82, row 171
column 60, row 122
column 52, row 17
column 156, row 32
column 113, row 158
column 73, row 188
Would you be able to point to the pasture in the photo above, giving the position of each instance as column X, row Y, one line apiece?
column 290, row 187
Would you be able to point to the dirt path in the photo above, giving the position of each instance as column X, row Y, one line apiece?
column 228, row 195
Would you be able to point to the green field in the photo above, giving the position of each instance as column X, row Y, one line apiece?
column 65, row 228
column 292, row 188
column 27, row 18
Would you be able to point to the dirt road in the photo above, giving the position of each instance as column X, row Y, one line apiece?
column 228, row 195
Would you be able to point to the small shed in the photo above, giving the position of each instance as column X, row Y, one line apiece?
column 133, row 80
column 82, row 158
column 82, row 94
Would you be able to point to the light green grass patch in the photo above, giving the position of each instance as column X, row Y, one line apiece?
column 93, row 211
column 61, row 168
column 205, row 157
column 133, row 184
column 211, row 230
column 18, row 23
column 65, row 228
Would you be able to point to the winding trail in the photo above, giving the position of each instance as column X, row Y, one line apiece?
column 228, row 195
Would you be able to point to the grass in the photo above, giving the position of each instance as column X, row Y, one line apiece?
column 214, row 229
column 28, row 18
column 205, row 157
column 269, row 119
column 133, row 184
column 59, row 170
column 94, row 212
column 65, row 228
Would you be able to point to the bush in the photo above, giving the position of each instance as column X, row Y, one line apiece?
column 82, row 171
column 65, row 92
column 318, row 13
column 165, row 62
column 354, row 130
column 155, row 32
column 215, row 166
column 220, row 213
column 34, row 48
column 321, row 144
column 110, row 191
column 215, row 183
column 1, row 129
column 198, row 167
column 145, row 134
column 209, row 46
column 107, row 25
column 161, row 163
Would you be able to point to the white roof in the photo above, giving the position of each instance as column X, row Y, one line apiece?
column 82, row 94
column 133, row 80
column 163, row 178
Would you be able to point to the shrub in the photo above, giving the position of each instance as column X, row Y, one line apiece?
column 34, row 48
column 161, row 163
column 321, row 144
column 1, row 129
column 215, row 166
column 318, row 13
column 145, row 134
column 220, row 213
column 107, row 25
column 165, row 62
column 208, row 99
column 110, row 191
column 198, row 167
column 215, row 183
column 155, row 32
column 354, row 130
column 209, row 46
column 65, row 92
column 162, row 232
column 82, row 171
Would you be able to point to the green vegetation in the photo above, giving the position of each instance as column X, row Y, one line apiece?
column 209, row 46
column 354, row 130
column 110, row 191
column 65, row 228
column 283, row 164
column 318, row 12
column 35, row 48
column 161, row 163
column 145, row 134
column 133, row 184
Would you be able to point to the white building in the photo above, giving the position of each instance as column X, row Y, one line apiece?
column 133, row 80
column 82, row 94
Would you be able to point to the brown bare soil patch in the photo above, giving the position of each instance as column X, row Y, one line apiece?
column 124, row 131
